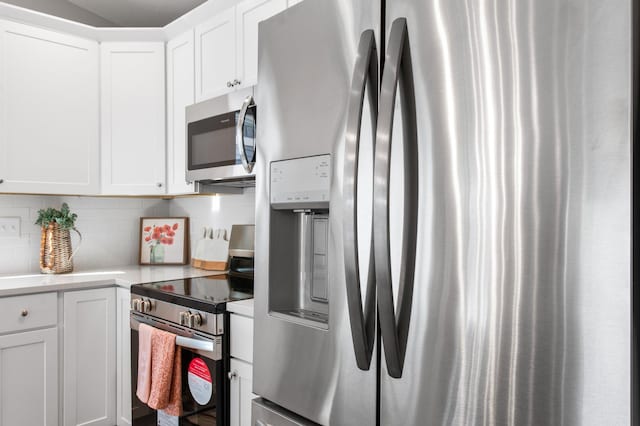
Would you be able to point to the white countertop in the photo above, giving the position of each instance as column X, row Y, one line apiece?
column 242, row 307
column 124, row 276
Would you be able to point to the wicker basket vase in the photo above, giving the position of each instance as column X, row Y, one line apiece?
column 56, row 256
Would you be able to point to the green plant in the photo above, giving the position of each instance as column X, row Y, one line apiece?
column 63, row 217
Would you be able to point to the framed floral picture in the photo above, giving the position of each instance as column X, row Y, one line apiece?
column 164, row 240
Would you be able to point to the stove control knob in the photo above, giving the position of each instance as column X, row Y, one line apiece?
column 145, row 306
column 195, row 320
column 184, row 318
column 135, row 305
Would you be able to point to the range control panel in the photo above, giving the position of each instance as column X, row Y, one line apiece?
column 301, row 183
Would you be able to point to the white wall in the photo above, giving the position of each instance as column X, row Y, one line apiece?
column 110, row 226
column 215, row 211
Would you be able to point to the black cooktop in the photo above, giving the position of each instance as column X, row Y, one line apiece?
column 208, row 294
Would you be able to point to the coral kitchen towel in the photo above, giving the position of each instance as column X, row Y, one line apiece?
column 163, row 345
column 144, row 362
column 175, row 395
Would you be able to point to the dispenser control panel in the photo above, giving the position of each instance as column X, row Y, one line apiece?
column 301, row 183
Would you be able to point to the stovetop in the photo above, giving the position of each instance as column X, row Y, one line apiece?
column 209, row 294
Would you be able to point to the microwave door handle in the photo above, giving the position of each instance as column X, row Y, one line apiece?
column 248, row 165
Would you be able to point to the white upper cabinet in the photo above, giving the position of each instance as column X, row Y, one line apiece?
column 215, row 55
column 249, row 14
column 49, row 116
column 133, row 122
column 227, row 47
column 180, row 93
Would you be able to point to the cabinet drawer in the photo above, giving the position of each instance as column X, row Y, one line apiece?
column 241, row 339
column 30, row 311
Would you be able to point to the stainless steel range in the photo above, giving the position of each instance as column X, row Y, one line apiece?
column 194, row 309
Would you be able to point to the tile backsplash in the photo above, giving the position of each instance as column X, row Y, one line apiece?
column 110, row 226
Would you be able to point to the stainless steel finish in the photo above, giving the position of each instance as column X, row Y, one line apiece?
column 211, row 107
column 242, row 240
column 365, row 72
column 232, row 375
column 521, row 308
column 397, row 72
column 204, row 344
column 305, row 62
column 221, row 187
column 248, row 165
column 198, row 320
column 264, row 413
column 24, row 313
column 190, row 343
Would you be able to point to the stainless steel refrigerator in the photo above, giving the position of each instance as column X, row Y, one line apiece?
column 443, row 220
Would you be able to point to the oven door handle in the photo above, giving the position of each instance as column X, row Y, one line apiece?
column 189, row 343
column 183, row 341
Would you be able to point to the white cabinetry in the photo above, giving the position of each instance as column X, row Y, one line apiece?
column 123, row 358
column 29, row 360
column 215, row 55
column 29, row 378
column 240, row 374
column 240, row 367
column 180, row 93
column 49, row 116
column 133, row 122
column 90, row 357
column 227, row 47
column 249, row 14
column 293, row 2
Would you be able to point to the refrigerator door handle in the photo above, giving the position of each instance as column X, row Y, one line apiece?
column 246, row 163
column 362, row 323
column 397, row 72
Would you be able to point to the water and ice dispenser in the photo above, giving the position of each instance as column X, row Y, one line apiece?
column 299, row 243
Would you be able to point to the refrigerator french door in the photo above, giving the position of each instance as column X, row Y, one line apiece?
column 490, row 210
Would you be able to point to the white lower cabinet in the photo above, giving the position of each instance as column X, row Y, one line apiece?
column 240, row 374
column 123, row 358
column 89, row 384
column 29, row 378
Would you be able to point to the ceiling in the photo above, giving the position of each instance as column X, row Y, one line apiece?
column 108, row 13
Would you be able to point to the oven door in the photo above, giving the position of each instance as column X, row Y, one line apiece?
column 203, row 401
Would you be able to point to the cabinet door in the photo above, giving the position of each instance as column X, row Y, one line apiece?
column 215, row 55
column 123, row 358
column 249, row 14
column 49, row 116
column 180, row 93
column 29, row 378
column 240, row 399
column 133, row 123
column 90, row 357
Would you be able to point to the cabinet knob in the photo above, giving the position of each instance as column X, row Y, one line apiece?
column 1, row 180
column 159, row 184
column 24, row 313
column 232, row 375
column 229, row 84
column 236, row 82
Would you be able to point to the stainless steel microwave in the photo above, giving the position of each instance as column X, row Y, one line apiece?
column 221, row 140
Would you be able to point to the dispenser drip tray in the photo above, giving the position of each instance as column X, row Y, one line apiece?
column 304, row 316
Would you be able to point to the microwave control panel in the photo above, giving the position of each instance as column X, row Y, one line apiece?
column 301, row 183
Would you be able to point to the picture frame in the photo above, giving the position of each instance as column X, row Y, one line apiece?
column 164, row 241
